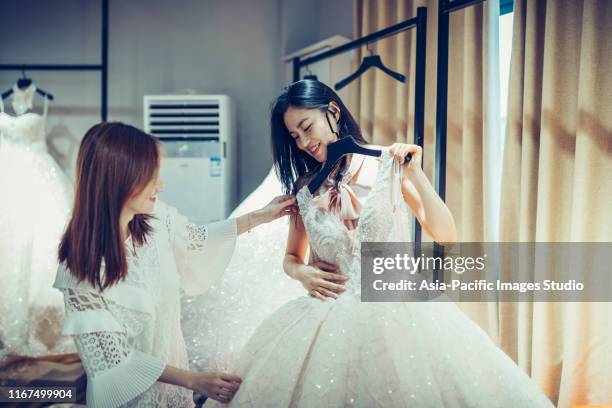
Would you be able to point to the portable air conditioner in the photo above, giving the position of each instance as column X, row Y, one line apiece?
column 199, row 161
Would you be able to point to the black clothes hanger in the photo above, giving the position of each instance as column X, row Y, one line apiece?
column 371, row 61
column 335, row 151
column 24, row 82
column 42, row 93
column 310, row 74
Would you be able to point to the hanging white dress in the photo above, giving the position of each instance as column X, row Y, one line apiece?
column 35, row 199
column 344, row 352
column 128, row 333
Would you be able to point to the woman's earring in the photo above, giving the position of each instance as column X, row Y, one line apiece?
column 335, row 132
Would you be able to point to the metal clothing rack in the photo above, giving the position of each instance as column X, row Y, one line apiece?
column 445, row 8
column 102, row 67
column 420, row 23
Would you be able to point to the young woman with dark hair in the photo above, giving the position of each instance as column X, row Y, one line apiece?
column 306, row 117
column 330, row 349
column 123, row 260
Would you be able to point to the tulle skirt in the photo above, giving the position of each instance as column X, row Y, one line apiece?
column 339, row 353
column 34, row 209
column 218, row 323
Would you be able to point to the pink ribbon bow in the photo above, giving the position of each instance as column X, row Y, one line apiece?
column 342, row 201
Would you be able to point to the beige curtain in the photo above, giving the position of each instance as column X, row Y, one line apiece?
column 557, row 186
column 472, row 119
column 385, row 109
column 557, row 169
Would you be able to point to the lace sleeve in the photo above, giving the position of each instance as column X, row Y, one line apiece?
column 196, row 236
column 202, row 252
column 116, row 371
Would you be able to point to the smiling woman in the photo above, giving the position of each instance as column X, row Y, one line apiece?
column 123, row 259
column 305, row 119
column 330, row 348
column 116, row 167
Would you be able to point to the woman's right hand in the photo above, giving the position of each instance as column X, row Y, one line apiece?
column 218, row 386
column 319, row 280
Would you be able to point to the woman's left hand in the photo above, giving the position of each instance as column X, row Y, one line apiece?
column 401, row 150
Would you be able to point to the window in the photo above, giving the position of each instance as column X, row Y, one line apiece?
column 504, row 42
column 506, row 6
column 505, row 51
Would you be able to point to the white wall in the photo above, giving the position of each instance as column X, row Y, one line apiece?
column 155, row 46
column 305, row 22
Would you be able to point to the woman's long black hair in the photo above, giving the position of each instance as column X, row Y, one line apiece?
column 289, row 161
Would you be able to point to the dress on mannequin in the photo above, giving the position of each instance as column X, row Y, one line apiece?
column 35, row 205
column 344, row 352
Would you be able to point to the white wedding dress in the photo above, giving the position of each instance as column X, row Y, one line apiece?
column 35, row 205
column 218, row 323
column 344, row 352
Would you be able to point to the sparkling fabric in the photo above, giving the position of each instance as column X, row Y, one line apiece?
column 34, row 209
column 339, row 353
column 217, row 324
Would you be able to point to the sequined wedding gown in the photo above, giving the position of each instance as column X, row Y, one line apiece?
column 34, row 207
column 218, row 323
column 338, row 353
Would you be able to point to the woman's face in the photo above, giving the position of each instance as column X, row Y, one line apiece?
column 144, row 201
column 310, row 130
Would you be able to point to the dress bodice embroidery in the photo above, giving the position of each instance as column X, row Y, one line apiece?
column 329, row 238
column 26, row 130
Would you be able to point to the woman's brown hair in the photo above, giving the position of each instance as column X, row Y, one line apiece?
column 115, row 161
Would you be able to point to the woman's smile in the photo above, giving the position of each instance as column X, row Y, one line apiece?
column 315, row 149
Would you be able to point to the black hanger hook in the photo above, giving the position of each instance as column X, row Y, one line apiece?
column 369, row 49
column 24, row 81
column 309, row 73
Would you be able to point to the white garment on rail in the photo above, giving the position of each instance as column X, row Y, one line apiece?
column 34, row 207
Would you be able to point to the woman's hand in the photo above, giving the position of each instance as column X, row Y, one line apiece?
column 429, row 209
column 401, row 150
column 218, row 386
column 278, row 207
column 319, row 278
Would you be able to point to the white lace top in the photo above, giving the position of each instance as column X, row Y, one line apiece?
column 127, row 334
